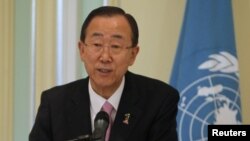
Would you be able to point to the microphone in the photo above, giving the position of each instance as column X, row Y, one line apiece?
column 82, row 138
column 100, row 126
column 101, row 123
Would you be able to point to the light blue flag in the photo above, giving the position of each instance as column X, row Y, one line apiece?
column 205, row 70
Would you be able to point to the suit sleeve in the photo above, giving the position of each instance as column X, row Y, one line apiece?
column 164, row 126
column 41, row 130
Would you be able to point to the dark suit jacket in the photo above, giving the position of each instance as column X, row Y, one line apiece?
column 64, row 112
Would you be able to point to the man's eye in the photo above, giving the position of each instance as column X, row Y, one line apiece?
column 115, row 46
column 97, row 45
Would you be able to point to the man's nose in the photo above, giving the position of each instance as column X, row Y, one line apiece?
column 106, row 54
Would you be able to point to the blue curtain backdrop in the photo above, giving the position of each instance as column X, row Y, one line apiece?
column 205, row 69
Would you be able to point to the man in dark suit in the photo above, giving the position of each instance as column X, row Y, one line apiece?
column 143, row 109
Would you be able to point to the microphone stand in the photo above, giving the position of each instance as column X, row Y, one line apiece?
column 82, row 138
column 101, row 125
column 87, row 138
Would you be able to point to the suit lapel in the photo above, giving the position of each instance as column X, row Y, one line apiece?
column 128, row 113
column 78, row 110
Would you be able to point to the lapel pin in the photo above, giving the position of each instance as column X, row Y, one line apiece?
column 126, row 118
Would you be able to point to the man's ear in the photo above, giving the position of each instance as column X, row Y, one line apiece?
column 81, row 49
column 80, row 46
column 134, row 52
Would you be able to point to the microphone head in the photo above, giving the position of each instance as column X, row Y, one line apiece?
column 101, row 124
column 102, row 115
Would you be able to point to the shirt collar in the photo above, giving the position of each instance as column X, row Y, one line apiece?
column 96, row 101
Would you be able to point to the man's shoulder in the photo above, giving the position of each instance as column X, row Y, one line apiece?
column 147, row 81
column 70, row 87
column 151, row 87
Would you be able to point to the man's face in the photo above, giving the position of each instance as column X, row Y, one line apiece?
column 106, row 67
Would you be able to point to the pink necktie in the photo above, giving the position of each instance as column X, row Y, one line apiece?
column 107, row 107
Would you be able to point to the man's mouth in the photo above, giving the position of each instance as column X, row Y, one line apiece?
column 104, row 70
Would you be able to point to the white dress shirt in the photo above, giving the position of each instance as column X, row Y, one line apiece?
column 96, row 101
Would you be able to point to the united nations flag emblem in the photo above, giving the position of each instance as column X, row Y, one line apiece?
column 212, row 99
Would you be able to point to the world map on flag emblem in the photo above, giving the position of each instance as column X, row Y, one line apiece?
column 212, row 99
